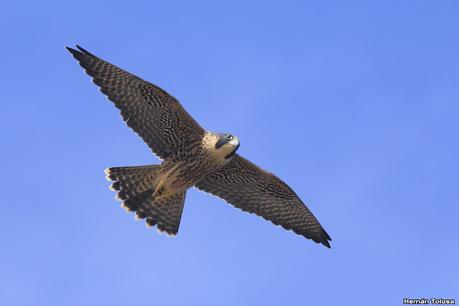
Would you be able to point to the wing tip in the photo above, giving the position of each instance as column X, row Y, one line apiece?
column 82, row 50
column 77, row 54
column 324, row 239
column 326, row 243
column 80, row 53
column 73, row 51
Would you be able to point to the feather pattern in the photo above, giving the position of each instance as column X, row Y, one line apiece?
column 252, row 189
column 190, row 158
column 157, row 117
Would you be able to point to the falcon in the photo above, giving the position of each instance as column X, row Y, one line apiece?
column 191, row 157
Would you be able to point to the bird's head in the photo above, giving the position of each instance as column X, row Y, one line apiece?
column 226, row 145
column 221, row 145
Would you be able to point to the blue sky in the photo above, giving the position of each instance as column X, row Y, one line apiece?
column 353, row 103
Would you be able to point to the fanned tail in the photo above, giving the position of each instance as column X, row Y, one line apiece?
column 136, row 189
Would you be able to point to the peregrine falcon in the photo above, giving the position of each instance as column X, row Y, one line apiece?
column 191, row 156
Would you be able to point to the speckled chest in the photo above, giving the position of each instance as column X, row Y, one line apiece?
column 184, row 171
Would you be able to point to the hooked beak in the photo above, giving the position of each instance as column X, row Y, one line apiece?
column 236, row 143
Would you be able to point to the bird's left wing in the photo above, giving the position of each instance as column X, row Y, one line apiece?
column 250, row 188
column 157, row 117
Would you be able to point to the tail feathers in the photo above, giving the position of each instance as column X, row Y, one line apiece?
column 166, row 216
column 114, row 173
column 132, row 181
column 136, row 189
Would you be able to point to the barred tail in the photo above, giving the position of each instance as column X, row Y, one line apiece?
column 136, row 187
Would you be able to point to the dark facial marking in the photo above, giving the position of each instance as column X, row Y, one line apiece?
column 232, row 153
column 221, row 141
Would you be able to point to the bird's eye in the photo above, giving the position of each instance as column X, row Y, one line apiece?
column 229, row 137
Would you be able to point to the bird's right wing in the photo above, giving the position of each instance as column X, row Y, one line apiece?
column 152, row 113
column 250, row 188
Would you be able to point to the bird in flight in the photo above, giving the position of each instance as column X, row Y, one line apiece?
column 191, row 156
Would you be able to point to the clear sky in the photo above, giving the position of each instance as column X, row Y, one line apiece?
column 354, row 104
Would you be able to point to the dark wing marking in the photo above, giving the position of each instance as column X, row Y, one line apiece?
column 152, row 113
column 250, row 188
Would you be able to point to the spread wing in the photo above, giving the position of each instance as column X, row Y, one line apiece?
column 250, row 188
column 152, row 113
